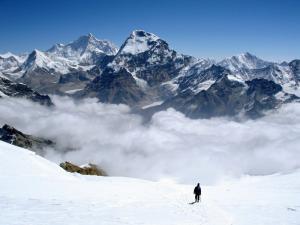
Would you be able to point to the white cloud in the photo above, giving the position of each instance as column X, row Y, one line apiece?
column 170, row 146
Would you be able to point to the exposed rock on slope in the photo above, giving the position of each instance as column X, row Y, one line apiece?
column 137, row 71
column 42, row 70
column 295, row 66
column 13, row 136
column 114, row 87
column 91, row 169
column 201, row 80
column 144, row 71
column 12, row 89
column 149, row 58
column 228, row 97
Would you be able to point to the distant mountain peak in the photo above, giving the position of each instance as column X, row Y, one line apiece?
column 7, row 54
column 36, row 59
column 86, row 39
column 243, row 61
column 84, row 49
column 19, row 57
column 244, row 56
column 90, row 35
column 139, row 41
column 143, row 34
column 247, row 55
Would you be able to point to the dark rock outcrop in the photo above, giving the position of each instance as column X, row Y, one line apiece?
column 114, row 87
column 295, row 67
column 155, row 63
column 20, row 90
column 13, row 136
column 91, row 169
column 227, row 97
column 194, row 79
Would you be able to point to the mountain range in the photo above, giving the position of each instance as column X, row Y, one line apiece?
column 149, row 76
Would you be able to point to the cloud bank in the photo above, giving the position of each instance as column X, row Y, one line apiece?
column 170, row 146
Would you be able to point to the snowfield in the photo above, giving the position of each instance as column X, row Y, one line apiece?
column 35, row 191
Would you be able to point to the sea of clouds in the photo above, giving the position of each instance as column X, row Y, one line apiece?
column 170, row 146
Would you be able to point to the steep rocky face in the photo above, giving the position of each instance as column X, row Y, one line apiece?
column 228, row 97
column 201, row 80
column 149, row 58
column 248, row 67
column 90, row 169
column 145, row 70
column 137, row 71
column 218, row 100
column 13, row 136
column 73, row 82
column 41, row 80
column 18, row 90
column 43, row 60
column 118, row 87
column 295, row 67
column 275, row 72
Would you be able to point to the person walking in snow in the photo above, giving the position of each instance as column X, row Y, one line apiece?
column 197, row 192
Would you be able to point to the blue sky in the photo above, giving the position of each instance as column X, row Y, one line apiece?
column 216, row 29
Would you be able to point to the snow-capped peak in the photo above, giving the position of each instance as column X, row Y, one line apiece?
column 244, row 61
column 20, row 58
column 36, row 59
column 7, row 55
column 10, row 62
column 84, row 50
column 139, row 41
column 248, row 59
column 143, row 34
column 44, row 60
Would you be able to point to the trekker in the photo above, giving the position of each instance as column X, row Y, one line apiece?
column 197, row 192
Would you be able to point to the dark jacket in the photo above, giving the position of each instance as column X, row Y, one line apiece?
column 197, row 190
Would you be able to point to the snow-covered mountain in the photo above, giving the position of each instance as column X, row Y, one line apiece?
column 36, row 191
column 143, row 71
column 227, row 96
column 80, row 54
column 245, row 61
column 10, row 62
column 62, row 68
column 247, row 67
column 149, row 58
column 85, row 50
column 42, row 70
column 48, row 62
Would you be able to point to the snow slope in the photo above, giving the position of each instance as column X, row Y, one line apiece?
column 138, row 42
column 36, row 191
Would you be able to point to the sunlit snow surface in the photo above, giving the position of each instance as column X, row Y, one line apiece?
column 35, row 191
column 136, row 44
